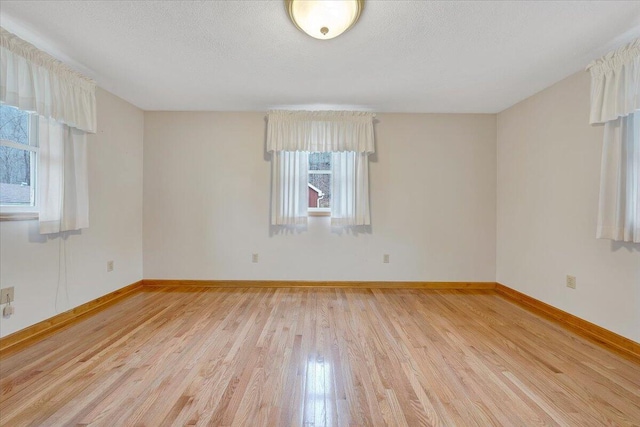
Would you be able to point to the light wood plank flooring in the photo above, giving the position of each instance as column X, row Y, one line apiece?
column 317, row 357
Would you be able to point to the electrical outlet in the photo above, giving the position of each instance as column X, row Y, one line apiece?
column 6, row 295
column 571, row 282
column 385, row 258
column 254, row 258
column 109, row 266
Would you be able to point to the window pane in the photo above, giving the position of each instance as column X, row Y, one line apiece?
column 319, row 161
column 14, row 125
column 15, row 176
column 322, row 182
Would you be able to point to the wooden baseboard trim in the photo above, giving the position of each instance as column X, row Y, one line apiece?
column 28, row 335
column 316, row 284
column 596, row 333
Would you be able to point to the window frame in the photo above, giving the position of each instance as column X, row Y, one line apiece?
column 31, row 211
column 319, row 211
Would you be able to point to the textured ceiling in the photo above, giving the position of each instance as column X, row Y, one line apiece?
column 402, row 56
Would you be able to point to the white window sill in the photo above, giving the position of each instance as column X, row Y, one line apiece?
column 18, row 216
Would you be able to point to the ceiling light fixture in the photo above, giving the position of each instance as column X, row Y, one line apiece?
column 324, row 19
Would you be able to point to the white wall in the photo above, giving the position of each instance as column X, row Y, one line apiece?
column 35, row 264
column 548, row 183
column 206, row 203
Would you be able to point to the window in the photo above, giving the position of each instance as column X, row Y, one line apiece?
column 18, row 160
column 615, row 102
column 320, row 166
column 319, row 183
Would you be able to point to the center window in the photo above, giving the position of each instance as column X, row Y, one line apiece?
column 319, row 182
column 320, row 166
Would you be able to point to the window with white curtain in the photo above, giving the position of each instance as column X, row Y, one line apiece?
column 320, row 158
column 63, row 107
column 615, row 102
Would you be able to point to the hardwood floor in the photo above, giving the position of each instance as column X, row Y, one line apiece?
column 317, row 357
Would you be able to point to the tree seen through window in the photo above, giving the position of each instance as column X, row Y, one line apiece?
column 17, row 157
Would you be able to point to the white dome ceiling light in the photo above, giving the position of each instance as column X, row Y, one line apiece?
column 324, row 19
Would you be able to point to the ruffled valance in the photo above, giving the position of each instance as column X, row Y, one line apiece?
column 615, row 84
column 320, row 131
column 33, row 80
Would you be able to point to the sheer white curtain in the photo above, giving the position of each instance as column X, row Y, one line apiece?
column 350, row 189
column 291, row 135
column 289, row 193
column 63, row 192
column 619, row 208
column 615, row 101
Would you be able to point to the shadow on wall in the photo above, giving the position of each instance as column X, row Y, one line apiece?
column 36, row 237
column 354, row 231
column 275, row 230
column 628, row 246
